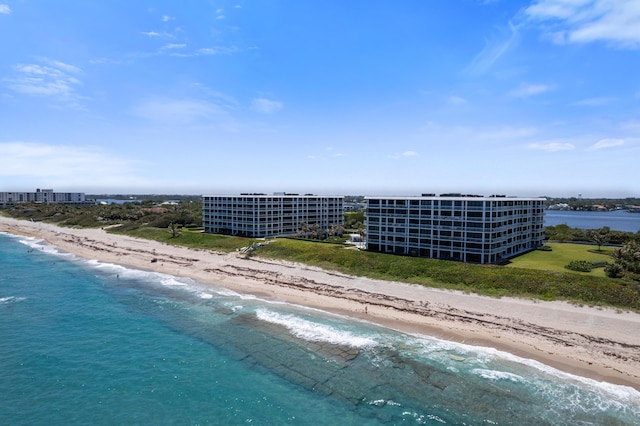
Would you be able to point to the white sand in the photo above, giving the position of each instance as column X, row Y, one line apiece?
column 603, row 344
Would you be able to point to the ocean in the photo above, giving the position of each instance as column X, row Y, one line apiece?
column 84, row 342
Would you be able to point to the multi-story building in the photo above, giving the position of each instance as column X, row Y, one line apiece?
column 45, row 196
column 466, row 228
column 261, row 215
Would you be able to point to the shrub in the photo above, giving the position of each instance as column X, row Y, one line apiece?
column 613, row 270
column 599, row 263
column 580, row 265
column 161, row 222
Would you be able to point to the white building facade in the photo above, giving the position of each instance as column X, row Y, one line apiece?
column 473, row 229
column 46, row 196
column 261, row 215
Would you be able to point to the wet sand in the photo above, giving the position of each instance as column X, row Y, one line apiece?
column 602, row 344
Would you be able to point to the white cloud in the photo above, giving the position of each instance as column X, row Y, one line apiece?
column 218, row 50
column 530, row 90
column 101, row 61
column 492, row 51
column 55, row 79
column 405, row 154
column 177, row 110
column 5, row 9
column 173, row 46
column 583, row 21
column 180, row 50
column 66, row 165
column 606, row 143
column 63, row 66
column 167, row 18
column 266, row 106
column 552, row 146
column 153, row 34
column 456, row 100
column 207, row 51
column 594, row 102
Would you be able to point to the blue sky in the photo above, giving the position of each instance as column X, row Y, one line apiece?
column 526, row 98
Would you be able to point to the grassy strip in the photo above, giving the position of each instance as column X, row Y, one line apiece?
column 195, row 239
column 489, row 280
column 531, row 281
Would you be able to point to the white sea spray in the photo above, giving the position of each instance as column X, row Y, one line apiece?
column 314, row 331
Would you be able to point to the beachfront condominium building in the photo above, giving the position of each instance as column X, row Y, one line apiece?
column 46, row 196
column 261, row 215
column 466, row 228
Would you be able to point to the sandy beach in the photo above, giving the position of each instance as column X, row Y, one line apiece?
column 602, row 344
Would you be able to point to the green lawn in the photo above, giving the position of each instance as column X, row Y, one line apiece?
column 561, row 255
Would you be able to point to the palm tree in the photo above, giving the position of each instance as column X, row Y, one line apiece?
column 174, row 230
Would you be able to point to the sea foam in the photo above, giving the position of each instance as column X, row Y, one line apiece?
column 11, row 299
column 313, row 331
column 41, row 245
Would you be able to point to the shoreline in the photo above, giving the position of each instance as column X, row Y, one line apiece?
column 598, row 343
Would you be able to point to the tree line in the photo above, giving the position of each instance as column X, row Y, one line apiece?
column 588, row 204
column 564, row 233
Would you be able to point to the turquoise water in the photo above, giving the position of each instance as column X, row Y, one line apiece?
column 83, row 342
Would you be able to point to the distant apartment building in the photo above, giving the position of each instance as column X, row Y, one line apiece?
column 46, row 196
column 473, row 229
column 261, row 215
